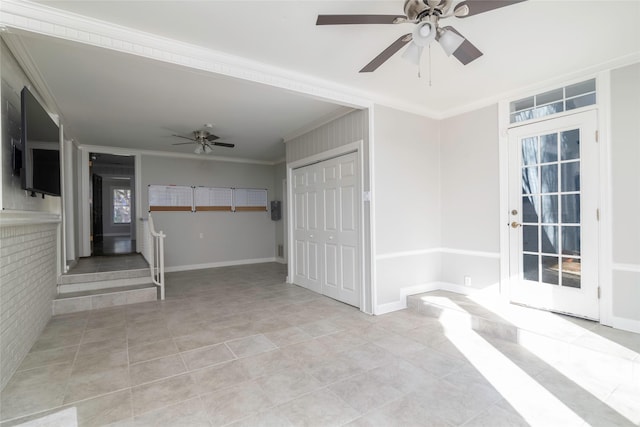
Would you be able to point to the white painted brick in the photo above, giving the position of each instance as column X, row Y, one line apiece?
column 27, row 287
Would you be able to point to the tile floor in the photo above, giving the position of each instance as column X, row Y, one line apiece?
column 101, row 264
column 236, row 346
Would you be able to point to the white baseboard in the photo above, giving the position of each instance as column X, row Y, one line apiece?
column 281, row 260
column 217, row 264
column 401, row 304
column 630, row 325
column 418, row 289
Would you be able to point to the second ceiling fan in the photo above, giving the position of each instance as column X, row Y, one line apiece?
column 426, row 15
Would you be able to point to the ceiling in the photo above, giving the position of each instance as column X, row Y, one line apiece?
column 116, row 99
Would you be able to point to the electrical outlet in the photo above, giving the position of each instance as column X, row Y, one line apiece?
column 467, row 280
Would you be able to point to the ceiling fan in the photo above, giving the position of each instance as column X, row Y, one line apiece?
column 204, row 140
column 426, row 15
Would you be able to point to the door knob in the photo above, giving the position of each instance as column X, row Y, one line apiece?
column 515, row 224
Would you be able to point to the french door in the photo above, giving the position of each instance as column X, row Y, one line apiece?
column 553, row 202
column 326, row 228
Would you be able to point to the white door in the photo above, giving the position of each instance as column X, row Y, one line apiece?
column 306, row 228
column 553, row 179
column 326, row 228
column 340, row 234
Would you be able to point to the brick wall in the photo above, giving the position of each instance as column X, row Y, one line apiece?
column 27, row 287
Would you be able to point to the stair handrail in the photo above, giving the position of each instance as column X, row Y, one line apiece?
column 154, row 252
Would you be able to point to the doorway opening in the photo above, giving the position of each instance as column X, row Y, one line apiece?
column 112, row 206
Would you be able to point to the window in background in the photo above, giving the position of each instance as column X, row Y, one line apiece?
column 121, row 206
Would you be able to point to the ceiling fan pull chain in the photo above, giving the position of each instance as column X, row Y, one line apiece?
column 430, row 65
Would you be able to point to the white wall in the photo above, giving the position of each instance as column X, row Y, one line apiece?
column 407, row 203
column 29, row 239
column 227, row 237
column 625, row 161
column 470, row 198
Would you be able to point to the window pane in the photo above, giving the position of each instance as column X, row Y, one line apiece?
column 549, row 148
column 571, row 209
column 550, row 269
column 549, row 174
column 530, row 151
column 550, row 239
column 570, row 145
column 121, row 206
column 581, row 101
column 522, row 104
column 547, row 97
column 529, row 206
column 571, row 272
column 570, row 173
column 530, row 238
column 571, row 241
column 580, row 88
column 549, row 209
column 530, row 267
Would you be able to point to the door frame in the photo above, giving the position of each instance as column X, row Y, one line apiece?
column 357, row 147
column 603, row 110
column 83, row 200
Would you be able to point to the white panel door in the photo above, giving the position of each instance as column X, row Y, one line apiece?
column 306, row 228
column 340, row 235
column 553, row 215
column 327, row 255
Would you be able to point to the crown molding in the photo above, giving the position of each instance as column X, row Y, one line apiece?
column 23, row 16
column 121, row 151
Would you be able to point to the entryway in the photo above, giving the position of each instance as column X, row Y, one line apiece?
column 326, row 228
column 553, row 215
column 112, row 207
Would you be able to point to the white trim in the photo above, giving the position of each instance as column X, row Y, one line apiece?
column 120, row 151
column 402, row 254
column 17, row 218
column 281, row 260
column 429, row 251
column 188, row 267
column 373, row 279
column 625, row 324
column 605, row 225
column 503, row 171
column 634, row 268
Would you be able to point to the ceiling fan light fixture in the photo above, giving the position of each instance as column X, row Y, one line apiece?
column 424, row 33
column 198, row 149
column 450, row 41
column 412, row 53
column 207, row 149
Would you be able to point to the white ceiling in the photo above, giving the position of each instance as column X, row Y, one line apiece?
column 112, row 98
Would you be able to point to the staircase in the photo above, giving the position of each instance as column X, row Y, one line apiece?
column 128, row 284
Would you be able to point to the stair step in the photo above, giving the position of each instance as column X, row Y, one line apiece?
column 549, row 334
column 68, row 279
column 86, row 286
column 72, row 302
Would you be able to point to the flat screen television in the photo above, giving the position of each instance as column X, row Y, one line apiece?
column 40, row 148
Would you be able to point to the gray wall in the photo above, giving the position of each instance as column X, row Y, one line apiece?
column 407, row 201
column 227, row 237
column 625, row 160
column 470, row 198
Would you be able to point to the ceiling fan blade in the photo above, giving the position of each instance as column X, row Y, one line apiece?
column 358, row 19
column 467, row 52
column 184, row 143
column 481, row 6
column 224, row 144
column 387, row 53
column 184, row 137
column 212, row 137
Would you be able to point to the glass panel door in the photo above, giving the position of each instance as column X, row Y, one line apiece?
column 553, row 187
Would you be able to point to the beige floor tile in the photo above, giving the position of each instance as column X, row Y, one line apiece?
column 162, row 393
column 207, row 356
column 52, row 341
column 365, row 392
column 265, row 363
column 288, row 384
column 156, row 369
column 218, row 376
column 36, row 359
column 189, row 413
column 320, row 408
column 152, row 350
column 234, row 403
column 369, row 356
column 34, row 390
column 333, row 369
column 105, row 409
column 269, row 418
column 88, row 384
column 287, row 336
column 203, row 338
column 250, row 346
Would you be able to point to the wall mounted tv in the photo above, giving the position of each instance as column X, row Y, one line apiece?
column 41, row 148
